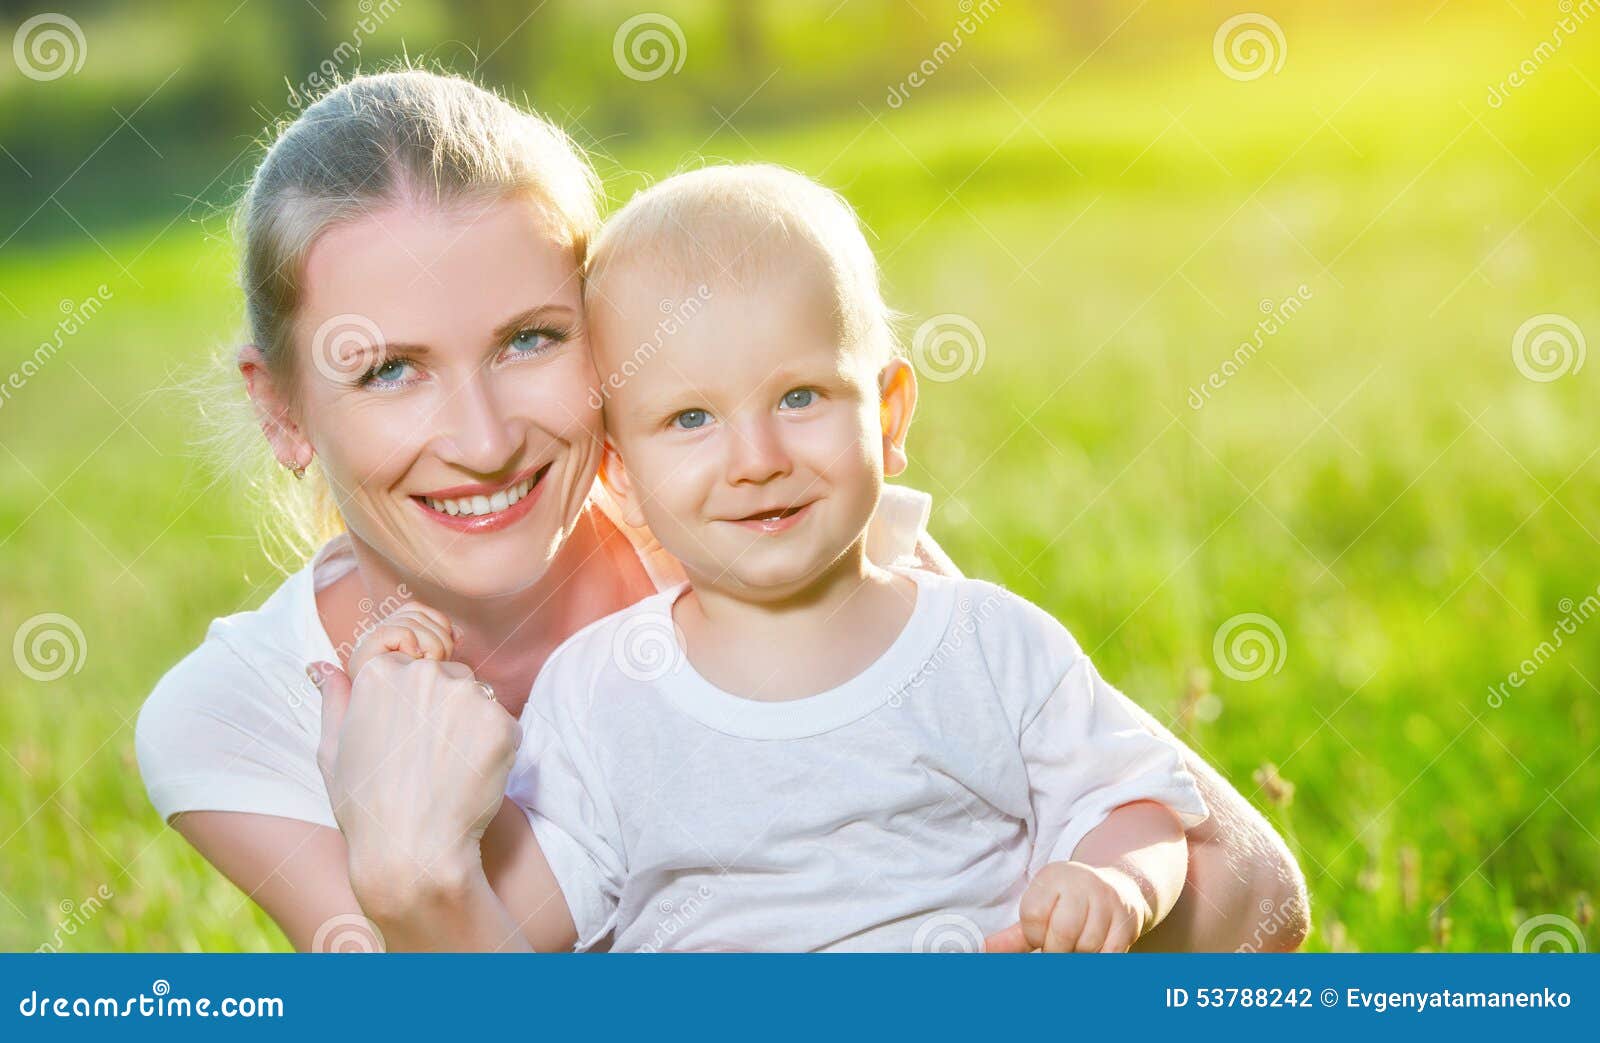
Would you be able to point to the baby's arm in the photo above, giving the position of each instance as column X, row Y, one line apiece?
column 1123, row 879
column 1110, row 800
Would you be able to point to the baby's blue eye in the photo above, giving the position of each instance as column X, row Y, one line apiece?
column 690, row 419
column 799, row 398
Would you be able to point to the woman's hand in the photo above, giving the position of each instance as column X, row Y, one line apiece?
column 416, row 756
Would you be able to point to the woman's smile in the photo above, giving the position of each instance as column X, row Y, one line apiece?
column 484, row 507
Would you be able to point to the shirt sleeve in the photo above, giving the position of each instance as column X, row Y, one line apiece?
column 221, row 734
column 558, row 785
column 1087, row 753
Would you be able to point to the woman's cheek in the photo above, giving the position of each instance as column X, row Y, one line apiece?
column 371, row 444
column 564, row 397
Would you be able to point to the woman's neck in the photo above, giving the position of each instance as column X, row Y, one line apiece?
column 506, row 639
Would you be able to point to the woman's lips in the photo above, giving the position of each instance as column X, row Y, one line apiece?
column 493, row 521
column 770, row 522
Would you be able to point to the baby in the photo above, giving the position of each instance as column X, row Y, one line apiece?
column 797, row 749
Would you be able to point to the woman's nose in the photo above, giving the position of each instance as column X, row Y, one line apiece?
column 477, row 436
column 756, row 453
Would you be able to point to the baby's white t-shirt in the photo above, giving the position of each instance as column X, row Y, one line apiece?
column 903, row 810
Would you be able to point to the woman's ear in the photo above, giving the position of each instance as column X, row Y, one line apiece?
column 614, row 476
column 897, row 400
column 289, row 443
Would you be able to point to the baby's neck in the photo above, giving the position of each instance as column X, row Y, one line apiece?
column 801, row 644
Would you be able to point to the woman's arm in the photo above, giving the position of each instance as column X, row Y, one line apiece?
column 293, row 870
column 1244, row 888
column 418, row 774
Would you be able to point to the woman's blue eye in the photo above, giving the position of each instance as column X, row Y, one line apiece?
column 799, row 398
column 529, row 341
column 388, row 371
column 690, row 419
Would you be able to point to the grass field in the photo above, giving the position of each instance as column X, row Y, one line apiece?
column 1379, row 478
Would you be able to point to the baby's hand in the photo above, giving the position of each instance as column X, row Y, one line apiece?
column 413, row 629
column 1073, row 907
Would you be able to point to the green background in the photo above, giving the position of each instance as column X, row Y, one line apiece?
column 1087, row 185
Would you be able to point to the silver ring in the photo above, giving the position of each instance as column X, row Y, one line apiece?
column 488, row 690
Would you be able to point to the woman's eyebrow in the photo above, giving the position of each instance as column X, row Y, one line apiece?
column 533, row 316
column 543, row 313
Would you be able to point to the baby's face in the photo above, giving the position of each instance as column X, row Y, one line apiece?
column 750, row 438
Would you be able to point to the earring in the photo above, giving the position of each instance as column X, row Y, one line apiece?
column 298, row 472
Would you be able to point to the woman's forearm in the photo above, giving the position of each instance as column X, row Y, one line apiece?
column 1243, row 892
column 455, row 911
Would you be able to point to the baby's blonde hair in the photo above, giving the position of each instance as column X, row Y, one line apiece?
column 410, row 135
column 740, row 220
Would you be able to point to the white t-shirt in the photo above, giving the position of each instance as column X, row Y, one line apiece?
column 234, row 725
column 903, row 810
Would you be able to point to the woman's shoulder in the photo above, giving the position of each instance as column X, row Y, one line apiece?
column 233, row 726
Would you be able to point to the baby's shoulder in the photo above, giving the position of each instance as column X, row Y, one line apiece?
column 628, row 646
column 1025, row 650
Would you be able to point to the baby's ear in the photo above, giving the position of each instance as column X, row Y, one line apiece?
column 897, row 400
column 614, row 476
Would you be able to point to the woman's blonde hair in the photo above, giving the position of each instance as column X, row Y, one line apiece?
column 409, row 135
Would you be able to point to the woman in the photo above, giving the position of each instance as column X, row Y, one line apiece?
column 412, row 257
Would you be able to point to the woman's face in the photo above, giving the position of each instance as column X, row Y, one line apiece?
column 444, row 383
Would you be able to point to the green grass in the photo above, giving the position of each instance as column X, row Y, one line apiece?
column 1379, row 479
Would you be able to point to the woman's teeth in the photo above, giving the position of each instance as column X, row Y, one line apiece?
column 475, row 505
